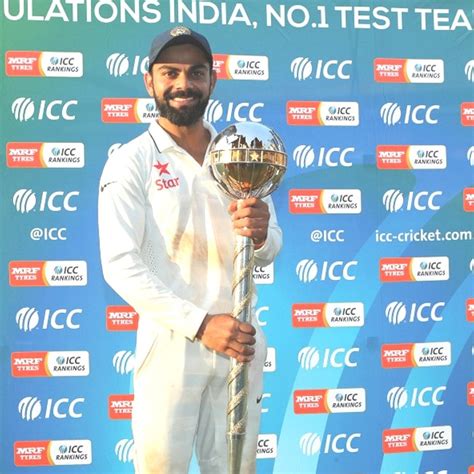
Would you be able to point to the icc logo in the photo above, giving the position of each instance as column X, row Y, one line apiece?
column 304, row 156
column 118, row 64
column 30, row 408
column 302, row 69
column 311, row 443
column 25, row 201
column 309, row 358
column 28, row 319
column 307, row 270
column 469, row 70
column 124, row 450
column 394, row 200
column 232, row 112
column 124, row 362
column 396, row 312
column 400, row 397
column 24, row 109
column 392, row 114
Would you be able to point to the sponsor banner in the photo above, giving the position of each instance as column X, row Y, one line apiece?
column 267, row 446
column 467, row 114
column 316, row 315
column 319, row 113
column 406, row 440
column 325, row 201
column 470, row 394
column 43, row 64
column 121, row 318
column 50, row 364
column 52, row 453
column 407, row 269
column 263, row 275
column 468, row 199
column 241, row 67
column 125, row 110
column 422, row 354
column 48, row 273
column 409, row 70
column 470, row 310
column 45, row 155
column 340, row 400
column 121, row 406
column 403, row 157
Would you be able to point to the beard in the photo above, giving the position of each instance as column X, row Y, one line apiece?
column 186, row 115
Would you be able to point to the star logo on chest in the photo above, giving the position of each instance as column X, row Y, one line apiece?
column 162, row 168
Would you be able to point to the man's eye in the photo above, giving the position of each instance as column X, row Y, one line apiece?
column 198, row 74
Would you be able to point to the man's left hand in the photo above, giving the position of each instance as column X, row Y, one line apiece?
column 250, row 218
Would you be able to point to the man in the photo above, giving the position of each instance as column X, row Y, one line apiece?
column 166, row 238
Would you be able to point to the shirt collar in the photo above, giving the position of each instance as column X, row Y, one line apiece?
column 164, row 141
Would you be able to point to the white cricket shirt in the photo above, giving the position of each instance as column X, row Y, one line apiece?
column 166, row 238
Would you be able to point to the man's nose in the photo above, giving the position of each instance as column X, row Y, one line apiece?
column 182, row 81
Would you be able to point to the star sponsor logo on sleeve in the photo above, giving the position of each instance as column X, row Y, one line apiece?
column 43, row 64
column 52, row 452
column 406, row 440
column 402, row 157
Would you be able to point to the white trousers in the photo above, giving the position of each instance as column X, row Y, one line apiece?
column 180, row 402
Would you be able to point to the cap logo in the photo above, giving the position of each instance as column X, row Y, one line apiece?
column 180, row 30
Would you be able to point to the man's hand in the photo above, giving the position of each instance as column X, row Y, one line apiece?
column 227, row 335
column 250, row 218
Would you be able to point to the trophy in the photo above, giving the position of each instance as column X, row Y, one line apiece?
column 247, row 160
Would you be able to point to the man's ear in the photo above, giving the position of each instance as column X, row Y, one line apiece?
column 213, row 79
column 148, row 80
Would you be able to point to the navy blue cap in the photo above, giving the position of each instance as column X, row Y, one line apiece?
column 175, row 36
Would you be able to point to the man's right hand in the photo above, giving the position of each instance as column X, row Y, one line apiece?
column 225, row 334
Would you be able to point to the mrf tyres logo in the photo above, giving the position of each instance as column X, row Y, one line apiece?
column 121, row 318
column 307, row 270
column 407, row 269
column 325, row 201
column 468, row 199
column 318, row 315
column 125, row 110
column 392, row 114
column 467, row 114
column 25, row 109
column 409, row 70
column 317, row 113
column 43, row 64
column 241, row 67
column 50, row 364
column 341, row 400
column 422, row 354
column 45, row 155
column 121, row 406
column 52, row 453
column 304, row 68
column 406, row 440
column 48, row 273
column 418, row 157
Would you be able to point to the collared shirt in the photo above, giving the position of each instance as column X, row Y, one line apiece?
column 166, row 237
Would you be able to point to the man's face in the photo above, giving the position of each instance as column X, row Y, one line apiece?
column 181, row 82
